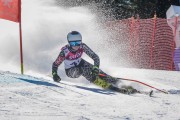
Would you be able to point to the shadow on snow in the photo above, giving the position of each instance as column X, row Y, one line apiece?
column 96, row 90
column 39, row 82
column 174, row 91
column 45, row 83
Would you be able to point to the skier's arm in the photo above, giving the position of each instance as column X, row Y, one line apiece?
column 92, row 55
column 58, row 61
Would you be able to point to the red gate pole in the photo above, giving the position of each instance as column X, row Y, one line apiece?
column 20, row 33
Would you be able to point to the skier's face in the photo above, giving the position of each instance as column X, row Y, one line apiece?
column 75, row 44
column 75, row 47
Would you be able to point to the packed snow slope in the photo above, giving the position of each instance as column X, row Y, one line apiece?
column 24, row 97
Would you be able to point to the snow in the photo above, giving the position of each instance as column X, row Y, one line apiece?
column 24, row 97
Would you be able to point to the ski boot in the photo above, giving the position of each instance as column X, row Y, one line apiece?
column 120, row 90
column 101, row 83
column 130, row 89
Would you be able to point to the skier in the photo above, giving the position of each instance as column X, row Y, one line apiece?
column 75, row 66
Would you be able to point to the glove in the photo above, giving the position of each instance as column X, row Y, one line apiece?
column 56, row 77
column 95, row 71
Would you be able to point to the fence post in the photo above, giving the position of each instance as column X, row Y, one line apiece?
column 153, row 39
column 131, row 39
column 137, row 29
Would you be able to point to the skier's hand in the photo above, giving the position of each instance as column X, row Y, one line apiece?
column 95, row 70
column 56, row 77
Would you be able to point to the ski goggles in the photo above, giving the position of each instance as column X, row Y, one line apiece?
column 75, row 43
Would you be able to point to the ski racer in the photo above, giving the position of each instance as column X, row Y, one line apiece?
column 75, row 65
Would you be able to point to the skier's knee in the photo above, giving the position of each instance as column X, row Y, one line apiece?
column 73, row 72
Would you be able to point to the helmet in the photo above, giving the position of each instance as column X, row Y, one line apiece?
column 74, row 36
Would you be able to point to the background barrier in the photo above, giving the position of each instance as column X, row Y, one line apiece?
column 144, row 43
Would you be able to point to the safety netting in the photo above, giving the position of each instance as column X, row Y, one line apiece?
column 143, row 43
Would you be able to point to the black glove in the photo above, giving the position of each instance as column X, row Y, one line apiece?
column 95, row 71
column 56, row 77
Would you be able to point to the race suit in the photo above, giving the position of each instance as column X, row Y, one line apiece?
column 75, row 66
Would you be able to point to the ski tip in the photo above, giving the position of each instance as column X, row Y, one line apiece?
column 166, row 92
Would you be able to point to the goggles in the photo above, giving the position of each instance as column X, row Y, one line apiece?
column 75, row 43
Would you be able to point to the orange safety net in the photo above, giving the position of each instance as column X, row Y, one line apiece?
column 143, row 43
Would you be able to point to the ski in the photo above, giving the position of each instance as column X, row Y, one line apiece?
column 149, row 93
column 142, row 83
column 131, row 91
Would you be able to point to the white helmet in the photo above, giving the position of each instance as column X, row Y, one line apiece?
column 74, row 36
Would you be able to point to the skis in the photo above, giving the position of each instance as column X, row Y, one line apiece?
column 150, row 93
column 131, row 91
column 142, row 83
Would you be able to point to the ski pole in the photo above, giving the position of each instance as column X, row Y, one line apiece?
column 103, row 75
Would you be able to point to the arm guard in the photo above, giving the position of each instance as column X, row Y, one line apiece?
column 58, row 61
column 92, row 55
